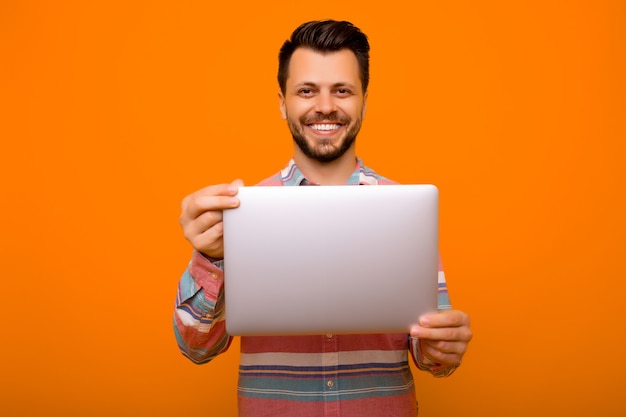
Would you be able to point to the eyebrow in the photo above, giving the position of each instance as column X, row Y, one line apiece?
column 312, row 84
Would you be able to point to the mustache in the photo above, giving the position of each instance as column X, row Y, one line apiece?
column 325, row 118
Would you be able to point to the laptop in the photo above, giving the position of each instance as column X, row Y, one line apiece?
column 330, row 259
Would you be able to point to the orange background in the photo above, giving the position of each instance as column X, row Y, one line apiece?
column 111, row 112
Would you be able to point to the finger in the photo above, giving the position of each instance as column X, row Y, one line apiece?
column 197, row 204
column 202, row 200
column 237, row 183
column 443, row 358
column 203, row 223
column 211, row 242
column 445, row 318
column 442, row 346
column 462, row 333
column 217, row 189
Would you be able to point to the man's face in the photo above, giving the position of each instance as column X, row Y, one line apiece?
column 323, row 102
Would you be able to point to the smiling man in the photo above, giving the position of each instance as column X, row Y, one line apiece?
column 323, row 76
column 324, row 102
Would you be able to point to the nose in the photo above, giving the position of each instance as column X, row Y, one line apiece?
column 325, row 103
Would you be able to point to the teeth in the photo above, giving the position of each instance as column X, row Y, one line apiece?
column 325, row 126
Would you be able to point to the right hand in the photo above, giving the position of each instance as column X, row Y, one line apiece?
column 201, row 217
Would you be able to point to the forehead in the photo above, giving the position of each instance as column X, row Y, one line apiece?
column 309, row 66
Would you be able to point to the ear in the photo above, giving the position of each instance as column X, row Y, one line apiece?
column 364, row 104
column 283, row 109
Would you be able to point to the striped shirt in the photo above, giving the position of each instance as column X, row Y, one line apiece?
column 305, row 376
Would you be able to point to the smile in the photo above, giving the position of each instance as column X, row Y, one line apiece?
column 325, row 126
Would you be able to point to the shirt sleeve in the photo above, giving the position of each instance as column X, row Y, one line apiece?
column 199, row 324
column 421, row 361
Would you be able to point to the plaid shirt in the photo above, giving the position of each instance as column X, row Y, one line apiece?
column 305, row 376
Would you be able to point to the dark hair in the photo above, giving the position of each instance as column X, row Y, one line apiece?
column 326, row 36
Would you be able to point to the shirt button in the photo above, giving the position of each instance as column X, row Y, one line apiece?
column 329, row 335
column 213, row 275
column 330, row 384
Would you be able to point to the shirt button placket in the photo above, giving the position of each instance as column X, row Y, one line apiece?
column 330, row 345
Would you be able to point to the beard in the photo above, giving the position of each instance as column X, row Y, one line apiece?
column 323, row 150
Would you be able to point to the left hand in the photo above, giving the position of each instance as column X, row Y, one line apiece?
column 443, row 336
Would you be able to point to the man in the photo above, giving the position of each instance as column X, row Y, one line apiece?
column 323, row 77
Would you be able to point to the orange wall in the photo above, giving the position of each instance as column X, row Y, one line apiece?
column 111, row 112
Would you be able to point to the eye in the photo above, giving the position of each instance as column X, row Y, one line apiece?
column 343, row 92
column 305, row 92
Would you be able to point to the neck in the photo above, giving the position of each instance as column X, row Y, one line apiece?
column 336, row 172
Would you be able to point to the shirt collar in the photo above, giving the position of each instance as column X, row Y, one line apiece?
column 291, row 175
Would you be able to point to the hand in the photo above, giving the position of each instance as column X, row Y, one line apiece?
column 443, row 336
column 201, row 217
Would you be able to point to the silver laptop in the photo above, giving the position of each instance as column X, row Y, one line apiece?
column 330, row 259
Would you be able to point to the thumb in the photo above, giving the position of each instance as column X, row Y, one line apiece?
column 237, row 183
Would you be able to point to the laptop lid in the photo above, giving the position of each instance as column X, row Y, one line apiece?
column 330, row 259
